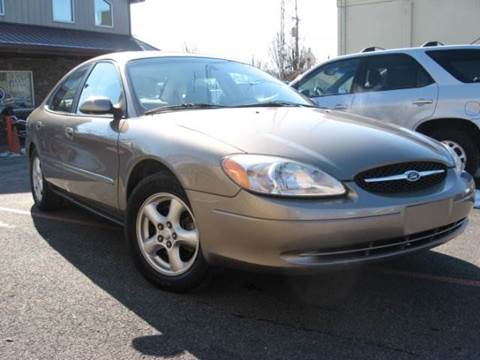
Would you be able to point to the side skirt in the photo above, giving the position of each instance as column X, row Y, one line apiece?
column 83, row 204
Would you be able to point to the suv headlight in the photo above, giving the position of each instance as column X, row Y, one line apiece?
column 277, row 176
column 455, row 159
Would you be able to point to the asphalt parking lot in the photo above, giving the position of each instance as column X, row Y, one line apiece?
column 68, row 290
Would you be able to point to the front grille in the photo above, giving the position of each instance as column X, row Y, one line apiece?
column 378, row 248
column 401, row 186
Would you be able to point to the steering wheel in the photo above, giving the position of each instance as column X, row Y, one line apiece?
column 317, row 91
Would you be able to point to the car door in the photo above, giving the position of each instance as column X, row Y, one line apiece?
column 330, row 86
column 394, row 88
column 49, row 129
column 91, row 152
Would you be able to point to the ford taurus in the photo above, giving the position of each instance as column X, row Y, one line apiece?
column 206, row 161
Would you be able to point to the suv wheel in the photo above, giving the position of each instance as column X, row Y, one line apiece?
column 43, row 196
column 463, row 144
column 163, row 235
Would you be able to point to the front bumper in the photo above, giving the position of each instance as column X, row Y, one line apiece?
column 305, row 233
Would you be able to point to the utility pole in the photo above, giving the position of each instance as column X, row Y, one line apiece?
column 282, row 22
column 281, row 40
column 295, row 34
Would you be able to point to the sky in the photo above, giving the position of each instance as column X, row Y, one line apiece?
column 234, row 29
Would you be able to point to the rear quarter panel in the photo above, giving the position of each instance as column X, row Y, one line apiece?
column 459, row 101
column 456, row 100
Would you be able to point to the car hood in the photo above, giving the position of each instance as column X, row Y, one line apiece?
column 339, row 143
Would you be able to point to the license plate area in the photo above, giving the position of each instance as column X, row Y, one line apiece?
column 424, row 217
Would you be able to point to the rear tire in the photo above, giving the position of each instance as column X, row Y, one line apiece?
column 163, row 237
column 45, row 199
column 465, row 142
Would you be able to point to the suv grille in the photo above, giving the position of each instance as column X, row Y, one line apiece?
column 392, row 179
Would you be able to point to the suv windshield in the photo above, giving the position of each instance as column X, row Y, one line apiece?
column 183, row 82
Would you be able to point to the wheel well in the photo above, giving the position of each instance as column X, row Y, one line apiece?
column 471, row 129
column 146, row 168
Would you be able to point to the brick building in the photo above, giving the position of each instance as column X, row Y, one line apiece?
column 40, row 40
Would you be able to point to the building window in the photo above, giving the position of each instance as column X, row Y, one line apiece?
column 103, row 13
column 2, row 7
column 16, row 90
column 63, row 11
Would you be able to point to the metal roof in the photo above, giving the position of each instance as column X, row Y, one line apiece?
column 33, row 38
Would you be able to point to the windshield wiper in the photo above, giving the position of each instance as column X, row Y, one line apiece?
column 161, row 109
column 275, row 104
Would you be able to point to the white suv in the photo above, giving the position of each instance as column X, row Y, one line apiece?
column 434, row 90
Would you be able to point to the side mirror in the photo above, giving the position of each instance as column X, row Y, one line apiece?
column 101, row 106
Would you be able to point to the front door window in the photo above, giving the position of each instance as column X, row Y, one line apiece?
column 104, row 81
column 332, row 79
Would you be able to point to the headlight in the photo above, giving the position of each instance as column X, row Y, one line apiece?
column 277, row 176
column 459, row 167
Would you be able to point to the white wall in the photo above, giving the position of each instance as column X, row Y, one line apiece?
column 404, row 23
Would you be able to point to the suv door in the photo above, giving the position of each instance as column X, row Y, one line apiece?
column 91, row 159
column 394, row 88
column 330, row 86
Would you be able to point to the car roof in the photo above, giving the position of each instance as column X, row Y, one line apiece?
column 126, row 56
column 409, row 50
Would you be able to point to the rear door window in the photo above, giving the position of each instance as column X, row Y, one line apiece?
column 64, row 98
column 393, row 72
column 463, row 64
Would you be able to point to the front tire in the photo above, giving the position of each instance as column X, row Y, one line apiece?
column 163, row 236
column 43, row 196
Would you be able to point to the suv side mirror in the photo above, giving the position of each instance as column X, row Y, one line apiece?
column 101, row 106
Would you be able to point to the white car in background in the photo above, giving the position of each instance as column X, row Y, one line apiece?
column 433, row 89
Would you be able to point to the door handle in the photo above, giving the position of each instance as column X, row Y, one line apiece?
column 340, row 107
column 69, row 132
column 421, row 102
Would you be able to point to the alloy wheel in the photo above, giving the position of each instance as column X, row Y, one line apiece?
column 462, row 155
column 167, row 235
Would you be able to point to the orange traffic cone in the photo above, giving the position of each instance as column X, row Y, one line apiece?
column 12, row 137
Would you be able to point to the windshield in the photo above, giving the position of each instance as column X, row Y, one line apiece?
column 176, row 81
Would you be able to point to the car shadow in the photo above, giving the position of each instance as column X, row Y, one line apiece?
column 246, row 315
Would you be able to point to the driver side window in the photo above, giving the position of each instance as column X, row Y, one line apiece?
column 103, row 81
column 332, row 79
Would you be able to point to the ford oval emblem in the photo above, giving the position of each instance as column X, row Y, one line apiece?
column 412, row 175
